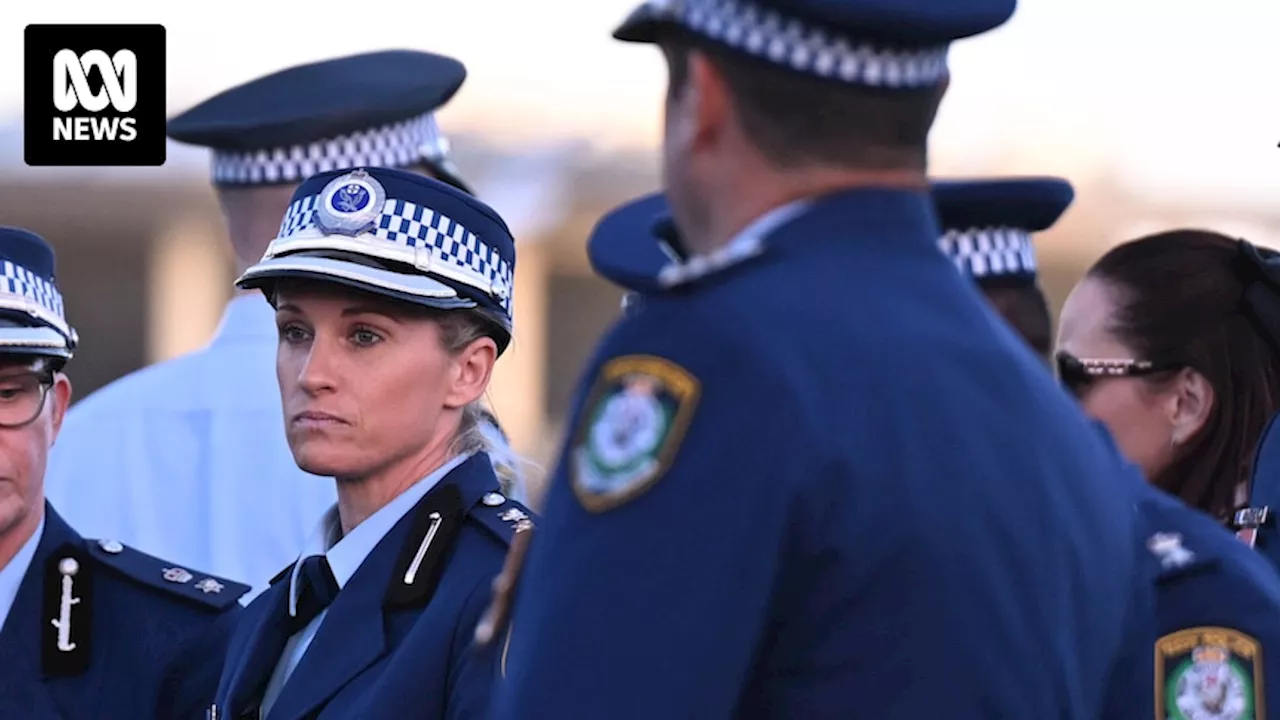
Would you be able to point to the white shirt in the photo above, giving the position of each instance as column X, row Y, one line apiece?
column 345, row 555
column 11, row 575
column 187, row 459
column 747, row 243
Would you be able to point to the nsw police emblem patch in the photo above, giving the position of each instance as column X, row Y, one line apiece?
column 350, row 204
column 631, row 427
column 1209, row 673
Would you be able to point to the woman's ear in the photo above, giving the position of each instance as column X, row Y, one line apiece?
column 473, row 368
column 1190, row 405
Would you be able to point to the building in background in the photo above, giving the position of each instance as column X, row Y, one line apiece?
column 146, row 270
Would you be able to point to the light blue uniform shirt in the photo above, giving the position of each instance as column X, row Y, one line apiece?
column 11, row 575
column 187, row 459
column 345, row 554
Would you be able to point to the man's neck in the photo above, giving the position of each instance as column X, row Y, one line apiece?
column 758, row 193
column 15, row 537
column 360, row 498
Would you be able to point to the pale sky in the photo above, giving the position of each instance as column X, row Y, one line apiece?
column 1181, row 96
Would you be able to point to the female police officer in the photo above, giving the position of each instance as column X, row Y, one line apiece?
column 393, row 300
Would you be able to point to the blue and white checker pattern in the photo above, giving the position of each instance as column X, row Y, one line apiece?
column 395, row 146
column 21, row 289
column 803, row 47
column 990, row 252
column 456, row 253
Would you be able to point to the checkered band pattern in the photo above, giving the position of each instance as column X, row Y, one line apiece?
column 21, row 282
column 393, row 146
column 467, row 258
column 800, row 46
column 990, row 252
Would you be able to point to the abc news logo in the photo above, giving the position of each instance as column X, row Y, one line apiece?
column 71, row 90
column 95, row 95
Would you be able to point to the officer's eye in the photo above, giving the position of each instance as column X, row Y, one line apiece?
column 293, row 333
column 364, row 337
column 14, row 389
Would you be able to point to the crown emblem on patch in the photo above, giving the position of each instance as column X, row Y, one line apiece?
column 1210, row 654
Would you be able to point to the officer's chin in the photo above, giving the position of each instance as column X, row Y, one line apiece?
column 322, row 457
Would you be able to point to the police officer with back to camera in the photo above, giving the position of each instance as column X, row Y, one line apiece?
column 774, row 500
column 1217, row 605
column 89, row 629
column 392, row 293
column 170, row 446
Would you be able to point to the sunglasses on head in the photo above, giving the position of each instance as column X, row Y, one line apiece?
column 1077, row 374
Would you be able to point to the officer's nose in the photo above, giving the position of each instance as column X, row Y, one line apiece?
column 316, row 374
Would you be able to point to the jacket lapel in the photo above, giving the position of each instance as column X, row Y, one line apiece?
column 352, row 636
column 266, row 642
column 25, row 684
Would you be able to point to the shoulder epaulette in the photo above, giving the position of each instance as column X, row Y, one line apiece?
column 203, row 589
column 502, row 516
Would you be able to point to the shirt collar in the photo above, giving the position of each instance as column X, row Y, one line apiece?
column 747, row 243
column 246, row 317
column 11, row 575
column 346, row 553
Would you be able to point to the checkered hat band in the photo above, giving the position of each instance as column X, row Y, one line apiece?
column 394, row 146
column 803, row 47
column 454, row 252
column 990, row 252
column 20, row 282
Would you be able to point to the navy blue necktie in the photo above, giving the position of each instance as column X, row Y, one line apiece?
column 316, row 589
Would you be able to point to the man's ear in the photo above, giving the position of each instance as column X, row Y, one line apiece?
column 710, row 99
column 60, row 400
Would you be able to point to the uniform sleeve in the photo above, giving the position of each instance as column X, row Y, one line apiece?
column 191, row 679
column 649, row 581
column 474, row 670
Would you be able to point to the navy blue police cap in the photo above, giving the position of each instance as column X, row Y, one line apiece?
column 373, row 109
column 396, row 234
column 987, row 224
column 898, row 44
column 630, row 245
column 32, row 319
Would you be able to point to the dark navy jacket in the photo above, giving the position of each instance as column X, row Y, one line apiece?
column 1217, row 646
column 387, row 649
column 144, row 646
column 824, row 482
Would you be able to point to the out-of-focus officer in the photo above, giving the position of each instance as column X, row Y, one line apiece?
column 187, row 458
column 776, row 468
column 1217, row 605
column 89, row 629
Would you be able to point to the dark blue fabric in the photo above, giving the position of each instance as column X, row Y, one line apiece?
column 1030, row 204
column 882, row 506
column 316, row 589
column 155, row 654
column 890, row 22
column 373, row 660
column 321, row 100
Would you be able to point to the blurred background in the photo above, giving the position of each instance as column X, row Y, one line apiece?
column 1161, row 114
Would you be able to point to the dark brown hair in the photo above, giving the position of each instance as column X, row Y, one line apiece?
column 796, row 120
column 1024, row 306
column 1180, row 299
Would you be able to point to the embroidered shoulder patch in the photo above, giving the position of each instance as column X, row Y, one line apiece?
column 631, row 426
column 1209, row 672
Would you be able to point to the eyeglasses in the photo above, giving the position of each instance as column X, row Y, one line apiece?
column 22, row 397
column 1077, row 374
